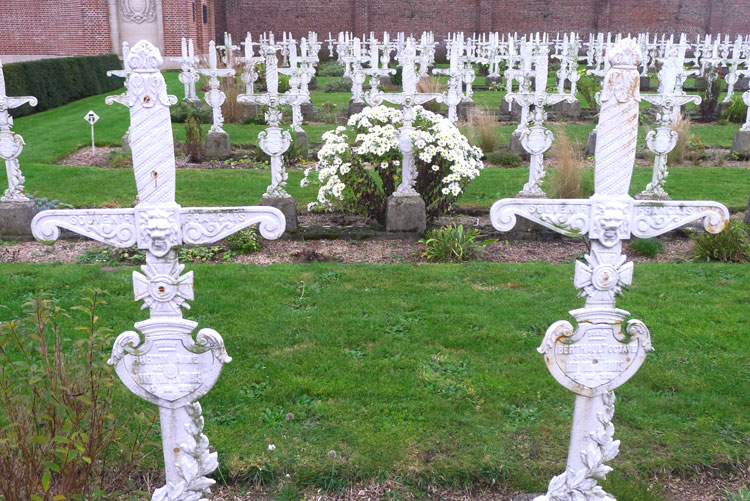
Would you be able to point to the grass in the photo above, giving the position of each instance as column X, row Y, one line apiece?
column 428, row 374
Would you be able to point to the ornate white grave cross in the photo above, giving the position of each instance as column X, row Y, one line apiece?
column 188, row 76
column 746, row 100
column 215, row 97
column 597, row 356
column 300, row 75
column 733, row 62
column 409, row 98
column 164, row 365
column 11, row 144
column 228, row 50
column 453, row 95
column 358, row 73
column 250, row 75
column 273, row 141
column 523, row 75
column 664, row 139
column 536, row 139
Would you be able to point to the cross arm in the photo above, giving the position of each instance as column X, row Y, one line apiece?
column 9, row 103
column 263, row 99
column 652, row 218
column 568, row 217
column 115, row 227
column 205, row 225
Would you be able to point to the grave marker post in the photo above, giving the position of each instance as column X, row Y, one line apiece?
column 164, row 364
column 601, row 353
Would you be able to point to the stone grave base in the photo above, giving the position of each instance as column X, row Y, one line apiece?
column 307, row 111
column 287, row 205
column 515, row 110
column 652, row 196
column 645, row 83
column 126, row 142
column 465, row 110
column 301, row 138
column 15, row 219
column 405, row 214
column 516, row 147
column 355, row 108
column 252, row 110
column 566, row 109
column 313, row 83
column 490, row 80
column 217, row 145
column 741, row 143
column 590, row 144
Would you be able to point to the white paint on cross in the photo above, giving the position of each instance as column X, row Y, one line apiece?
column 166, row 365
column 11, row 144
column 273, row 141
column 597, row 356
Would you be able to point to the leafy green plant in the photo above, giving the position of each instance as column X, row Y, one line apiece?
column 587, row 87
column 453, row 243
column 730, row 246
column 329, row 112
column 193, row 139
column 736, row 111
column 58, row 409
column 502, row 159
column 181, row 111
column 244, row 241
column 44, row 203
column 330, row 69
column 338, row 85
column 647, row 247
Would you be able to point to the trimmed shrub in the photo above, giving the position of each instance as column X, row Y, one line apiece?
column 74, row 78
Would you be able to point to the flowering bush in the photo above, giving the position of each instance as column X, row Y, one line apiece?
column 360, row 165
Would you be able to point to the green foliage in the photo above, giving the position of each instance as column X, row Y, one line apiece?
column 58, row 81
column 134, row 256
column 244, row 241
column 743, row 494
column 185, row 109
column 329, row 111
column 47, row 204
column 736, row 111
column 502, row 159
column 193, row 139
column 587, row 87
column 339, row 85
column 57, row 406
column 730, row 246
column 330, row 68
column 453, row 244
column 647, row 247
column 397, row 78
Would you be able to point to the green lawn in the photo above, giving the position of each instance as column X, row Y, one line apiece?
column 428, row 374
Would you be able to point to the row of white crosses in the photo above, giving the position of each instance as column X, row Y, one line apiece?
column 599, row 355
column 456, row 71
column 164, row 364
column 11, row 144
column 537, row 139
column 188, row 61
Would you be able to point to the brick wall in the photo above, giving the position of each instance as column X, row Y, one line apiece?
column 65, row 28
column 442, row 16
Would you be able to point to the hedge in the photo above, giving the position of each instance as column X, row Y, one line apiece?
column 58, row 81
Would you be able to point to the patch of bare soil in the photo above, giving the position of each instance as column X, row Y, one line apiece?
column 85, row 156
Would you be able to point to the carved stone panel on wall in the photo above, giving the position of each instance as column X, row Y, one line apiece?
column 138, row 11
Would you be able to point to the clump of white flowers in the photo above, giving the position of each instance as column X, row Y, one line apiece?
column 446, row 162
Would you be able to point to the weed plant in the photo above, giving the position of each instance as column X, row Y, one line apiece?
column 453, row 244
column 730, row 246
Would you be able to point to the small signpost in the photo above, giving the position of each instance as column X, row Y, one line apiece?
column 92, row 118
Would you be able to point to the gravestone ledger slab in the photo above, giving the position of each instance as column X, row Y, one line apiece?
column 15, row 219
